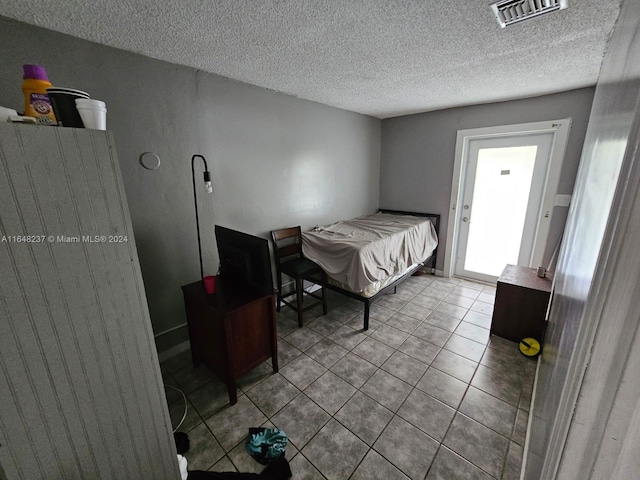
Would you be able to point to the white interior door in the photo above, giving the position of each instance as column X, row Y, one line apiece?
column 502, row 198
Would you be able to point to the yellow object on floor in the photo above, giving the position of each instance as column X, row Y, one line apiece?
column 529, row 347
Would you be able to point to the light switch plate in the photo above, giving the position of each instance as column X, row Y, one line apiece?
column 562, row 200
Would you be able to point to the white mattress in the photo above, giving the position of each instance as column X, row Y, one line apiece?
column 367, row 253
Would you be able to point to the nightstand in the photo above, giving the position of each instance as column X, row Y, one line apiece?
column 231, row 331
column 521, row 304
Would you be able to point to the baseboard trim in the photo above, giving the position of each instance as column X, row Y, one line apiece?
column 173, row 351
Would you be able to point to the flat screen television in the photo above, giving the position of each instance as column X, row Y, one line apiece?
column 244, row 259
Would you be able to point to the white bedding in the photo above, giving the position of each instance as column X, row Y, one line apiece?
column 365, row 252
column 373, row 288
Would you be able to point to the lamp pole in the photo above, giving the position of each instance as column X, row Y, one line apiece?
column 209, row 189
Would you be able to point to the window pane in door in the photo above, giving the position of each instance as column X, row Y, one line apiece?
column 499, row 207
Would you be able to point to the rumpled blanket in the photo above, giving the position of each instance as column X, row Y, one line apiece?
column 370, row 248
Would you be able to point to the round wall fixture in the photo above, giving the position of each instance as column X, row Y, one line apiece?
column 150, row 161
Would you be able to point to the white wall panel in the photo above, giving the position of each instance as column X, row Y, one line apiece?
column 80, row 384
column 586, row 395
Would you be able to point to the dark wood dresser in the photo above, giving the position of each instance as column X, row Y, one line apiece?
column 231, row 331
column 521, row 303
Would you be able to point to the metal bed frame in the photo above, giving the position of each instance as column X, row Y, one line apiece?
column 393, row 286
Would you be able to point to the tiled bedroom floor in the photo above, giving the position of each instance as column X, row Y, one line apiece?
column 424, row 393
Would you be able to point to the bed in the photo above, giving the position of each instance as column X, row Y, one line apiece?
column 369, row 256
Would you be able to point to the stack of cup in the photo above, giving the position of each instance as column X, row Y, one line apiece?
column 64, row 108
column 93, row 113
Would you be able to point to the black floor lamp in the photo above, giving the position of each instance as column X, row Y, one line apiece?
column 209, row 189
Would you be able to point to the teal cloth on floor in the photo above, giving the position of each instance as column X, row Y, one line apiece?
column 266, row 444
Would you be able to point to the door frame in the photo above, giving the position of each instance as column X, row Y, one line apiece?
column 560, row 129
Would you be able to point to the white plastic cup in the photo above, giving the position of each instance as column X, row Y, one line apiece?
column 93, row 113
column 90, row 102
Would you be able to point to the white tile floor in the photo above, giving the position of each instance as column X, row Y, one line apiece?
column 425, row 393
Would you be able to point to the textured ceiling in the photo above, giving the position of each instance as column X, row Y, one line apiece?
column 378, row 57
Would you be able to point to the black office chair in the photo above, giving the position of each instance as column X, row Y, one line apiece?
column 287, row 249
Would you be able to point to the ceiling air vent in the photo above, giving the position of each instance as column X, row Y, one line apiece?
column 508, row 12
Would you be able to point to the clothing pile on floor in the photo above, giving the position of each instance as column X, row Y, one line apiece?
column 265, row 445
column 278, row 469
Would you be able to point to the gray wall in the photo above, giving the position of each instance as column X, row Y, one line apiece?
column 276, row 160
column 416, row 167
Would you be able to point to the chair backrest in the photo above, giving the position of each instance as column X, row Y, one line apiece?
column 287, row 242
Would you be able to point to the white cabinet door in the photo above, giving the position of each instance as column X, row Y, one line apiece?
column 80, row 384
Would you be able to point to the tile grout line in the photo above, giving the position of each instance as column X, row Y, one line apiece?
column 396, row 310
column 370, row 447
column 395, row 413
